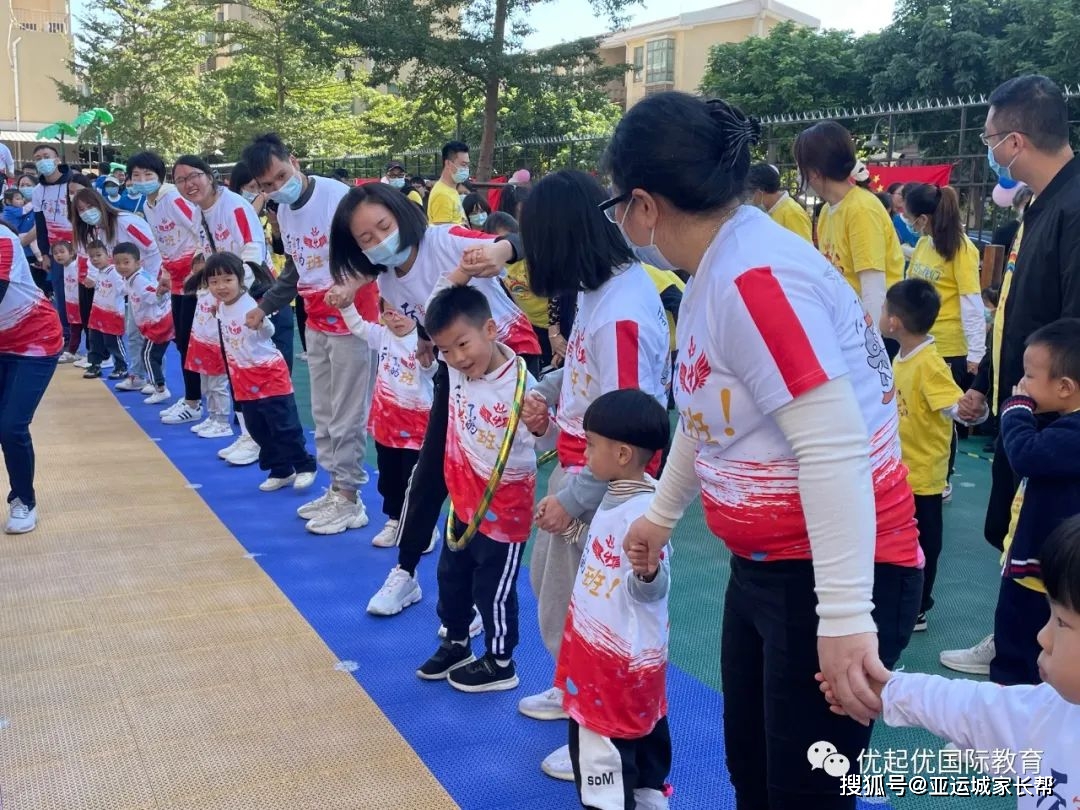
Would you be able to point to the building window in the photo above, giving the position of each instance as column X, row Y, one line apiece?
column 639, row 62
column 660, row 61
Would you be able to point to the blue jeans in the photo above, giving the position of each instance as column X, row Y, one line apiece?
column 23, row 381
column 56, row 278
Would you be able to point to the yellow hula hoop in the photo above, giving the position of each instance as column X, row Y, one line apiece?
column 455, row 543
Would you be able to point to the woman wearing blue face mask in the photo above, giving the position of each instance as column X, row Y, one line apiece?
column 377, row 233
column 789, row 432
column 477, row 210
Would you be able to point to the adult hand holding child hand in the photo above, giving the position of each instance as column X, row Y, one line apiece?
column 643, row 542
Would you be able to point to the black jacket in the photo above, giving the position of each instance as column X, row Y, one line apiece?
column 1046, row 279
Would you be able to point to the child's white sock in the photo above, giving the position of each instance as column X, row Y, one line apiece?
column 243, row 427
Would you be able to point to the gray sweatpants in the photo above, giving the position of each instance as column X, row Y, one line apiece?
column 136, row 345
column 553, row 568
column 340, row 367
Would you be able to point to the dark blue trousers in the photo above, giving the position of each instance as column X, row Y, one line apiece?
column 23, row 381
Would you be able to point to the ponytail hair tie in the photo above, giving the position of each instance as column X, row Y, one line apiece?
column 739, row 131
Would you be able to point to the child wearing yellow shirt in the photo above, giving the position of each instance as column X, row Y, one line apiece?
column 927, row 399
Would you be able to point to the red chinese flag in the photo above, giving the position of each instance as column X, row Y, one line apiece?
column 495, row 194
column 881, row 177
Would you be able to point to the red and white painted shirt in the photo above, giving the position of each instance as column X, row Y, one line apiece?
column 256, row 368
column 620, row 339
column 71, row 293
column 404, row 389
column 152, row 312
column 175, row 223
column 235, row 228
column 438, row 255
column 29, row 324
column 305, row 232
column 204, row 346
column 107, row 313
column 52, row 201
column 612, row 663
column 764, row 320
column 478, row 417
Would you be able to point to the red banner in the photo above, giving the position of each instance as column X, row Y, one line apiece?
column 881, row 177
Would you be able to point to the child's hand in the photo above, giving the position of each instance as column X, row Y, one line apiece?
column 1020, row 390
column 339, row 296
column 638, row 554
column 551, row 517
column 834, row 702
column 164, row 283
column 254, row 318
column 425, row 352
column 534, row 413
column 643, row 543
column 88, row 283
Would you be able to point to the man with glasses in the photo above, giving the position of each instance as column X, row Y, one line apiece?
column 1027, row 139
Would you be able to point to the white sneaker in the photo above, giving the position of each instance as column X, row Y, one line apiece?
column 387, row 536
column 338, row 515
column 398, row 592
column 157, row 396
column 107, row 363
column 215, row 430
column 272, row 484
column 82, row 362
column 148, row 389
column 312, row 508
column 183, row 414
column 23, row 518
column 225, row 452
column 436, row 536
column 131, row 384
column 199, row 427
column 650, row 799
column 476, row 626
column 974, row 660
column 246, row 452
column 303, row 480
column 545, row 706
column 67, row 357
column 557, row 764
column 175, row 407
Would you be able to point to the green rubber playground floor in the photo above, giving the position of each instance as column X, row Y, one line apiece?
column 965, row 595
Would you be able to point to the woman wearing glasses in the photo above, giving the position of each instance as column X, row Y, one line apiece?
column 788, row 429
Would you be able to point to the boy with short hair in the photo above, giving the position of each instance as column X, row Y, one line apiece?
column 106, row 314
column 1048, row 461
column 927, row 398
column 490, row 513
column 152, row 312
column 613, row 659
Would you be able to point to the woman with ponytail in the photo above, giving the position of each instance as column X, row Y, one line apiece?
column 789, row 430
column 946, row 258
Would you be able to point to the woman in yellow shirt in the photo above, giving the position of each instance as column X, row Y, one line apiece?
column 763, row 181
column 946, row 258
column 856, row 234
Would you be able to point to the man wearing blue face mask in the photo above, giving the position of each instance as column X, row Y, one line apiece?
column 340, row 364
column 1027, row 138
column 444, row 204
column 50, row 205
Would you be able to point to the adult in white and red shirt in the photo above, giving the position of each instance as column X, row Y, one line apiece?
column 51, row 216
column 378, row 233
column 340, row 364
column 788, row 428
column 30, row 345
column 619, row 339
column 175, row 224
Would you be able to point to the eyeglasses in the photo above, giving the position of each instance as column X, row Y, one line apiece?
column 608, row 206
column 187, row 179
column 986, row 138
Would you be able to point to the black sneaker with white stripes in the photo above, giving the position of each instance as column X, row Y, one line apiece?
column 447, row 658
column 484, row 675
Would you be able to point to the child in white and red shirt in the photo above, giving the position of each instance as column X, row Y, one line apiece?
column 613, row 657
column 152, row 312
column 204, row 357
column 106, row 314
column 260, row 378
column 404, row 390
column 63, row 254
column 486, row 382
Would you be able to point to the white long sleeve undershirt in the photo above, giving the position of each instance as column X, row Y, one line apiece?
column 872, row 292
column 973, row 316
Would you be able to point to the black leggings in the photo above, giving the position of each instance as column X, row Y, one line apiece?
column 183, row 315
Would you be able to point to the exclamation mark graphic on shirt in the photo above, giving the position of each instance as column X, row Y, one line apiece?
column 725, row 403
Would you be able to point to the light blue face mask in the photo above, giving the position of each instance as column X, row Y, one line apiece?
column 389, row 252
column 648, row 254
column 396, row 182
column 290, row 192
column 91, row 216
column 1002, row 172
column 461, row 174
column 146, row 187
column 45, row 166
column 249, row 196
column 478, row 219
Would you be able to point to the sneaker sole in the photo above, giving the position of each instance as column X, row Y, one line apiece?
column 241, row 462
column 8, row 530
column 562, row 776
column 968, row 669
column 443, row 676
column 413, row 598
column 495, row 686
column 544, row 714
column 326, row 531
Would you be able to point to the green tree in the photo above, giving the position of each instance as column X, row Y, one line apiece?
column 449, row 54
column 141, row 59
